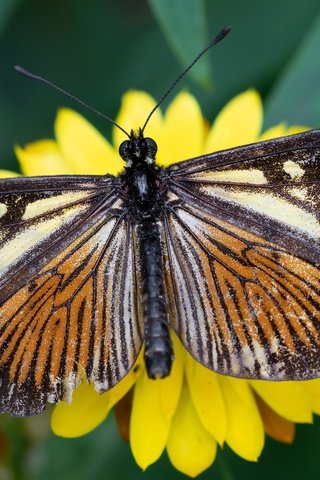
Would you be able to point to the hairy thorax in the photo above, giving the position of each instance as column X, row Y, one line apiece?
column 143, row 191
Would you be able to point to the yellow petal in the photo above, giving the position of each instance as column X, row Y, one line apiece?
column 238, row 123
column 42, row 158
column 190, row 447
column 207, row 398
column 122, row 412
column 8, row 174
column 171, row 386
column 312, row 388
column 121, row 399
column 296, row 129
column 183, row 130
column 84, row 147
column 279, row 396
column 122, row 388
column 154, row 403
column 279, row 130
column 282, row 130
column 87, row 410
column 275, row 426
column 135, row 107
column 245, row 434
column 148, row 426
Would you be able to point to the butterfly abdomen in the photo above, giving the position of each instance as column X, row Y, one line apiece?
column 158, row 353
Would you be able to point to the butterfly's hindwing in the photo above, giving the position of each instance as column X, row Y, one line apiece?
column 70, row 316
column 244, row 275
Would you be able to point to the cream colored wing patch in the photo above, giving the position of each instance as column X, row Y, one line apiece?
column 34, row 234
column 3, row 209
column 49, row 204
column 271, row 205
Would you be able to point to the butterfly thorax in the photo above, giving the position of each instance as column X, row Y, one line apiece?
column 141, row 181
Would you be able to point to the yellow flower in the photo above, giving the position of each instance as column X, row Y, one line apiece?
column 193, row 410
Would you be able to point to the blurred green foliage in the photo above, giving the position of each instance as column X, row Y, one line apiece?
column 98, row 50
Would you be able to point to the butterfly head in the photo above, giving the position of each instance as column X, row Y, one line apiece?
column 138, row 149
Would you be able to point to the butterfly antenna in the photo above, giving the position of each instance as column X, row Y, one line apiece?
column 27, row 74
column 213, row 42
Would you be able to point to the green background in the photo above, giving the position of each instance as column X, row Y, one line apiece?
column 97, row 50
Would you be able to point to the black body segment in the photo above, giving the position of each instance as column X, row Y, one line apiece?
column 158, row 353
column 144, row 198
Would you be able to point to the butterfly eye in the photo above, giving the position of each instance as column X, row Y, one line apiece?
column 124, row 149
column 151, row 146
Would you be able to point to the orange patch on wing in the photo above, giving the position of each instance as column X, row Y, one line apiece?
column 266, row 308
column 28, row 344
column 235, row 302
column 287, row 290
column 52, row 342
column 23, row 323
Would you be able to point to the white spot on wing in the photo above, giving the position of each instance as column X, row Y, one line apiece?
column 3, row 209
column 172, row 196
column 300, row 193
column 293, row 169
column 248, row 358
column 262, row 360
column 69, row 384
column 274, row 345
column 235, row 366
column 101, row 387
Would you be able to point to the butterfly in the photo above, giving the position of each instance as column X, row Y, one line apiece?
column 223, row 248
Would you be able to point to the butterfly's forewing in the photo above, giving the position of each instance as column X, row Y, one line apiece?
column 242, row 239
column 69, row 299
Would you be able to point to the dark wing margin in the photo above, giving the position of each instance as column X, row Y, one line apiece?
column 69, row 299
column 244, row 281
